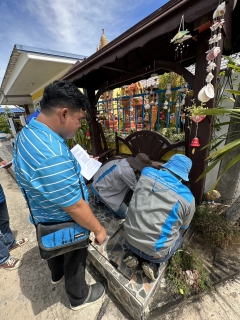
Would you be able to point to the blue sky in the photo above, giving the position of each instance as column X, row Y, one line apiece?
column 73, row 26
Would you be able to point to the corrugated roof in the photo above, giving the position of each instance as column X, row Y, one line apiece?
column 12, row 109
column 22, row 48
column 18, row 48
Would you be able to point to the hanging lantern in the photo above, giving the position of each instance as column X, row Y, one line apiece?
column 195, row 142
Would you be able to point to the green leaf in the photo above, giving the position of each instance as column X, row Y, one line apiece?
column 237, row 92
column 228, row 98
column 225, row 123
column 227, row 148
column 209, row 168
column 228, row 166
column 233, row 67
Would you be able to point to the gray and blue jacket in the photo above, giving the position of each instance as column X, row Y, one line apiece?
column 161, row 205
column 113, row 180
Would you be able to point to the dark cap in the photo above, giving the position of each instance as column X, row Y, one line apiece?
column 139, row 162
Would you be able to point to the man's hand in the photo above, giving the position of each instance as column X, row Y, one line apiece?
column 83, row 215
column 90, row 156
column 2, row 163
column 100, row 236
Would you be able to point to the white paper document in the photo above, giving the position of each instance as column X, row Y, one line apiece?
column 89, row 166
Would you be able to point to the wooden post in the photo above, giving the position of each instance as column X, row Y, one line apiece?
column 26, row 109
column 93, row 125
column 204, row 127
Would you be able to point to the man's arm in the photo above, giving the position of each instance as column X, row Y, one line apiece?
column 82, row 214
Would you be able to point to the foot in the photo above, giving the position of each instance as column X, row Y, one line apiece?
column 130, row 259
column 11, row 263
column 151, row 270
column 56, row 281
column 19, row 243
column 96, row 293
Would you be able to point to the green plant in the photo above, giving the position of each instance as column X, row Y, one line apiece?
column 175, row 79
column 4, row 126
column 171, row 134
column 82, row 137
column 187, row 274
column 216, row 230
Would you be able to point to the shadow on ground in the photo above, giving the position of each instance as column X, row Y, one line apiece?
column 35, row 282
column 36, row 286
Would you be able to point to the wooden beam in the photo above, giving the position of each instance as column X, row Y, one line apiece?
column 156, row 65
column 115, row 69
column 177, row 68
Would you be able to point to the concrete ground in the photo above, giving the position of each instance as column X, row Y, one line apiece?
column 27, row 293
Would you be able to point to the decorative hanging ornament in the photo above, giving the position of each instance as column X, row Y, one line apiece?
column 179, row 39
column 220, row 11
column 165, row 105
column 195, row 142
column 168, row 90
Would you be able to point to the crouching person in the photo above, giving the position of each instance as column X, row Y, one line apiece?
column 113, row 180
column 160, row 210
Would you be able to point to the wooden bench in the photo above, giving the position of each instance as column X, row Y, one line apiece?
column 152, row 143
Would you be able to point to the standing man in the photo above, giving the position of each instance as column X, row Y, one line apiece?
column 161, row 209
column 7, row 240
column 51, row 177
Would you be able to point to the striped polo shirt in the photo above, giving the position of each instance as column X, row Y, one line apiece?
column 48, row 172
column 2, row 196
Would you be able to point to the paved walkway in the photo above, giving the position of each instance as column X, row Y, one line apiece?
column 27, row 293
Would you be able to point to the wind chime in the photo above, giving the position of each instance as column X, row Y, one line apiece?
column 207, row 92
column 179, row 39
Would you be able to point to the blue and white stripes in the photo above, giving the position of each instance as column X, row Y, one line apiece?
column 48, row 172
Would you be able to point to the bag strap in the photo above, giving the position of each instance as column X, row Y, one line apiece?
column 155, row 189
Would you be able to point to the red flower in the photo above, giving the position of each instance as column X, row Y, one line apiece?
column 88, row 134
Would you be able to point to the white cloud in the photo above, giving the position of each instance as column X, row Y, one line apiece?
column 75, row 25
column 72, row 26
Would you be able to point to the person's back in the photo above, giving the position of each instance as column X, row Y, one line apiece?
column 113, row 180
column 160, row 208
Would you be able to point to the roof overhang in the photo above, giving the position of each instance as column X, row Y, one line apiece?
column 29, row 70
column 142, row 49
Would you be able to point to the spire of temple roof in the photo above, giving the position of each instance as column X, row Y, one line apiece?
column 103, row 40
